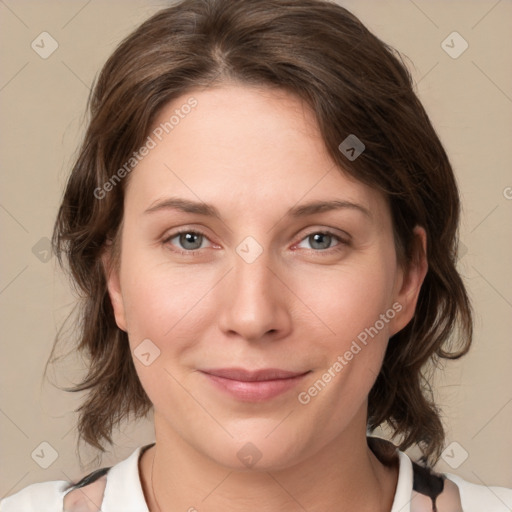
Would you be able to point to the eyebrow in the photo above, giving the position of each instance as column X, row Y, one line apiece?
column 201, row 208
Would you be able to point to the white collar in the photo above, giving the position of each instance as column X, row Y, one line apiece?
column 124, row 493
column 403, row 492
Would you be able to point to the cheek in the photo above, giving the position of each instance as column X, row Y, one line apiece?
column 162, row 301
column 349, row 299
column 350, row 302
column 356, row 304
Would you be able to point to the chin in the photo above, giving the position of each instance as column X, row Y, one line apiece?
column 254, row 451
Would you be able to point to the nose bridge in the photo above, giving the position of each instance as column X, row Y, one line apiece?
column 252, row 280
column 257, row 300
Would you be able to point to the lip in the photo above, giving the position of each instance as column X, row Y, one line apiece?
column 253, row 385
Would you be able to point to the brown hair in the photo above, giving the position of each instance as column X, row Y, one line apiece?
column 355, row 84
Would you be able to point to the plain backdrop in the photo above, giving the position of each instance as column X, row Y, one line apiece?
column 469, row 99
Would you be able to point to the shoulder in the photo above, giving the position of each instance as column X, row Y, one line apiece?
column 422, row 489
column 59, row 495
column 88, row 497
column 113, row 488
column 41, row 497
column 478, row 497
column 451, row 493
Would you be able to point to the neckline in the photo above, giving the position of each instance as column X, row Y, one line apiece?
column 385, row 451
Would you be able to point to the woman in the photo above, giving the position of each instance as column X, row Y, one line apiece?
column 262, row 222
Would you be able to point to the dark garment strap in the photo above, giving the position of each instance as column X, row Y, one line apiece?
column 426, row 482
column 89, row 479
column 92, row 477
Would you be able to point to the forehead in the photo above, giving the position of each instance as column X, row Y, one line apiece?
column 244, row 128
column 249, row 145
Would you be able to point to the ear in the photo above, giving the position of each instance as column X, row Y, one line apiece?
column 114, row 286
column 408, row 283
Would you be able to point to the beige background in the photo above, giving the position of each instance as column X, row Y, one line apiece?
column 470, row 102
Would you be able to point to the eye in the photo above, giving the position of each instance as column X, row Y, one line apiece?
column 322, row 240
column 187, row 240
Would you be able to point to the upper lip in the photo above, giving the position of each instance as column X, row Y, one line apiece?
column 244, row 375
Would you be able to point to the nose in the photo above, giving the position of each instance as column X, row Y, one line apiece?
column 257, row 302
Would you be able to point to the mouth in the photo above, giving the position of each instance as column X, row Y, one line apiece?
column 253, row 385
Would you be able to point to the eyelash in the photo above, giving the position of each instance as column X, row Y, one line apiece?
column 329, row 251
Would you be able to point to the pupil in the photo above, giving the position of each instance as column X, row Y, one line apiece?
column 188, row 238
column 323, row 239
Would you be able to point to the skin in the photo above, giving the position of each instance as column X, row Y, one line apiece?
column 254, row 154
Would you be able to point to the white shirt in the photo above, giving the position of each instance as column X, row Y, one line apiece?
column 123, row 492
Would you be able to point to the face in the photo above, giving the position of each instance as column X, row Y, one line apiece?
column 245, row 248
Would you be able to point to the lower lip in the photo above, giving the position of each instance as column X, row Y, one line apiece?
column 256, row 391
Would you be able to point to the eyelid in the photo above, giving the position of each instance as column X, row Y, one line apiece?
column 179, row 231
column 343, row 240
column 342, row 235
column 173, row 234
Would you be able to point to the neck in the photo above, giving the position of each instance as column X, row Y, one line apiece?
column 342, row 477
